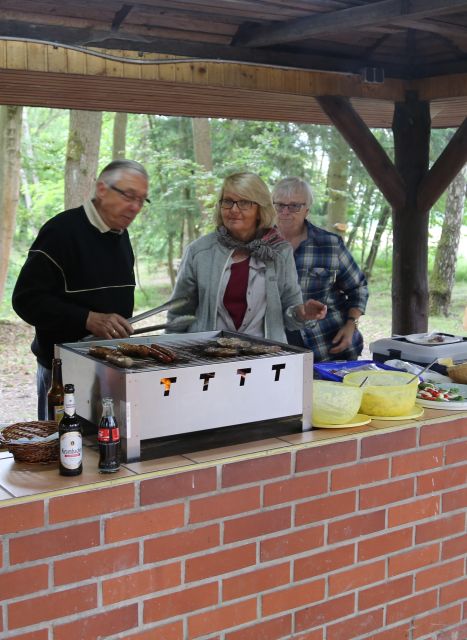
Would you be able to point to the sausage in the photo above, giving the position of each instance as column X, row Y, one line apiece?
column 164, row 351
column 119, row 360
column 137, row 350
column 143, row 351
column 100, row 352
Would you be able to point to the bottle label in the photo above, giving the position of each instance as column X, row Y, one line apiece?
column 71, row 449
column 58, row 412
column 105, row 434
column 69, row 404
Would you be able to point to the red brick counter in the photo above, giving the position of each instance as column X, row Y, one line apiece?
column 358, row 537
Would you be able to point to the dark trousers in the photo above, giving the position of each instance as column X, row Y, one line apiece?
column 44, row 380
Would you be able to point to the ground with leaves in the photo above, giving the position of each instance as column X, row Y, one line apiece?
column 18, row 372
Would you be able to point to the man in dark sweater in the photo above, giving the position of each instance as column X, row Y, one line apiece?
column 78, row 278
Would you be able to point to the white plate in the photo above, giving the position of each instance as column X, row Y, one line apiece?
column 443, row 406
column 449, row 405
column 421, row 338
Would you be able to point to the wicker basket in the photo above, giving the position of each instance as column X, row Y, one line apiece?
column 42, row 452
column 458, row 373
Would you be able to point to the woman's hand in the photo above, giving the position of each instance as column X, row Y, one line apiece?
column 311, row 310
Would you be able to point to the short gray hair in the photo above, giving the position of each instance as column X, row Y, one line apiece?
column 293, row 186
column 113, row 171
column 250, row 187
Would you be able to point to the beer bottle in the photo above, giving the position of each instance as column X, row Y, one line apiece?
column 71, row 437
column 55, row 395
column 108, row 438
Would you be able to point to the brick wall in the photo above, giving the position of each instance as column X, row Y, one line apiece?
column 361, row 538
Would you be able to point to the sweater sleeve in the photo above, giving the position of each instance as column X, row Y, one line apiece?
column 185, row 285
column 38, row 294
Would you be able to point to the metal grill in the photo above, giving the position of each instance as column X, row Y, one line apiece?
column 198, row 392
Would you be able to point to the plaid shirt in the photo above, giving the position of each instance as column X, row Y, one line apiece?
column 327, row 272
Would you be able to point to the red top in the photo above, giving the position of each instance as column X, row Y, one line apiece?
column 235, row 291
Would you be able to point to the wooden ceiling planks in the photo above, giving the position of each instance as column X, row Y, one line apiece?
column 340, row 36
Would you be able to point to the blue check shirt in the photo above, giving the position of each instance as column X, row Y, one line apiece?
column 328, row 273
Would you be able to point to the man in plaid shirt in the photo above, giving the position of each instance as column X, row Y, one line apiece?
column 326, row 272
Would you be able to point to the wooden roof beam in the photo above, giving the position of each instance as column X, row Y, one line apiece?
column 378, row 13
column 378, row 164
column 120, row 16
column 89, row 37
column 444, row 170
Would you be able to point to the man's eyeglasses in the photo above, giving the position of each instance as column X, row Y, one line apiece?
column 293, row 207
column 130, row 197
column 243, row 205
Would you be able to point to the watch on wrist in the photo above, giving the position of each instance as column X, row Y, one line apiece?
column 354, row 320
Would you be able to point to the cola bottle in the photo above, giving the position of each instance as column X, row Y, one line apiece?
column 108, row 438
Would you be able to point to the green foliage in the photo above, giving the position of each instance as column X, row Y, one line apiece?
column 183, row 194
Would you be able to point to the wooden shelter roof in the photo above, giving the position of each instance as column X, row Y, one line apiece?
column 422, row 43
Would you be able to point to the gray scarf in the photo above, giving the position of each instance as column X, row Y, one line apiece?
column 266, row 244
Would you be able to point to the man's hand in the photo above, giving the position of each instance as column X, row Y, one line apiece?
column 108, row 325
column 311, row 310
column 343, row 338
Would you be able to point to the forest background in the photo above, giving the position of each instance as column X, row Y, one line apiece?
column 49, row 159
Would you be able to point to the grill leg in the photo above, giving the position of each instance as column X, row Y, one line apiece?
column 307, row 390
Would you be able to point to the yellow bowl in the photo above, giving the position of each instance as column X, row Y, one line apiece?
column 333, row 403
column 385, row 393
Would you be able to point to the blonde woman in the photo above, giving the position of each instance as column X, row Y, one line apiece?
column 242, row 277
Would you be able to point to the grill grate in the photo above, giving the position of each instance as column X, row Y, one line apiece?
column 189, row 353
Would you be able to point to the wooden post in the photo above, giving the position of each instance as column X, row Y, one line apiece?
column 411, row 129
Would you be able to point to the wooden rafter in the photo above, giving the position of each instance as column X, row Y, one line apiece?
column 375, row 14
column 444, row 170
column 367, row 148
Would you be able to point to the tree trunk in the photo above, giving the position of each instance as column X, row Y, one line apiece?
column 362, row 214
column 10, row 139
column 171, row 259
column 203, row 156
column 336, row 206
column 411, row 128
column 119, row 136
column 444, row 269
column 82, row 156
column 380, row 229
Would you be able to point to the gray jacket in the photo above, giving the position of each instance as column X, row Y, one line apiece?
column 200, row 276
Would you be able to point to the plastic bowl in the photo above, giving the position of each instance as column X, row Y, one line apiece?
column 334, row 403
column 385, row 393
column 458, row 373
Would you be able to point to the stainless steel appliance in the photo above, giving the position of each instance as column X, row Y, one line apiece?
column 197, row 392
column 401, row 348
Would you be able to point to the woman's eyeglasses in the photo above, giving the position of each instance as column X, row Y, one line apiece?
column 243, row 205
column 130, row 197
column 293, row 207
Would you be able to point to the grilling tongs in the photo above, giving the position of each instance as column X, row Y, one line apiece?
column 173, row 304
